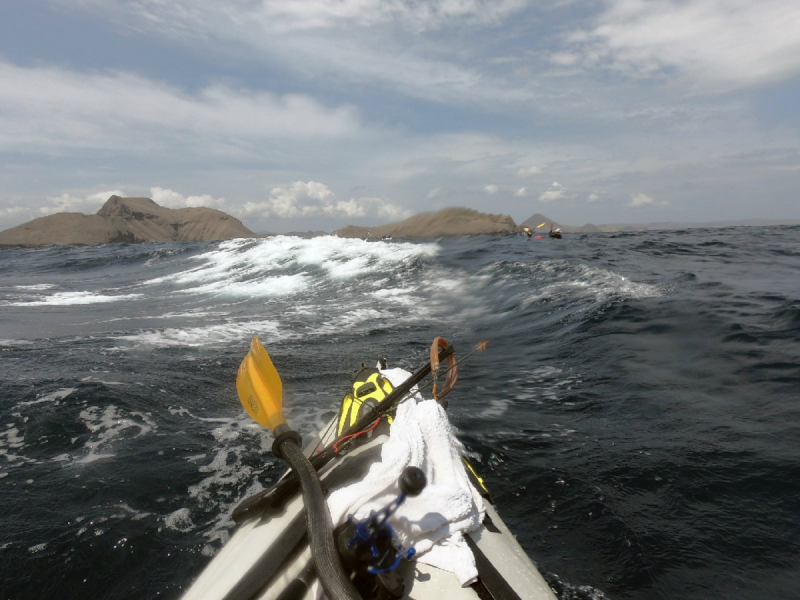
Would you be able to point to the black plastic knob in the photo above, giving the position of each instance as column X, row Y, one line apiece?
column 412, row 481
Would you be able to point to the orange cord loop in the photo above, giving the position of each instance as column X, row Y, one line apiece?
column 452, row 368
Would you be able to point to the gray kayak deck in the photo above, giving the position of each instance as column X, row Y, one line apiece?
column 263, row 556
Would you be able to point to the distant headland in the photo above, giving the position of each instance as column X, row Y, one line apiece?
column 448, row 222
column 136, row 220
column 130, row 220
column 454, row 222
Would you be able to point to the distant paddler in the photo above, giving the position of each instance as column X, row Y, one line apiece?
column 388, row 237
column 555, row 233
column 529, row 231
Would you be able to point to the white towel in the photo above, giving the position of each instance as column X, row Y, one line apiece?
column 433, row 522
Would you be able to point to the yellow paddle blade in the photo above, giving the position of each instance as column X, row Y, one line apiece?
column 260, row 387
column 541, row 225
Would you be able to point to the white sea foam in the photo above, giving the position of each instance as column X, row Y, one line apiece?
column 98, row 380
column 282, row 285
column 340, row 257
column 585, row 282
column 108, row 424
column 180, row 520
column 354, row 319
column 11, row 443
column 124, row 511
column 496, row 408
column 219, row 534
column 245, row 267
column 403, row 296
column 74, row 298
column 189, row 314
column 10, row 438
column 56, row 397
column 224, row 471
column 36, row 287
column 120, row 511
column 219, row 334
column 536, row 386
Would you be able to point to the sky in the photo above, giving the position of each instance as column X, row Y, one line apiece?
column 314, row 114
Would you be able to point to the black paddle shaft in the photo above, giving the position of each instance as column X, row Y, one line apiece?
column 283, row 490
column 334, row 580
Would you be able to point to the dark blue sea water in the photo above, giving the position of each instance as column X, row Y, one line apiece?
column 636, row 414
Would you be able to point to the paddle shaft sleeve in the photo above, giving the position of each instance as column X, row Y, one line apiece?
column 320, row 528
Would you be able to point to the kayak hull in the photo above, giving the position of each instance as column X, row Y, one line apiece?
column 268, row 552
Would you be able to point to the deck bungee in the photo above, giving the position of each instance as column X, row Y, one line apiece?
column 400, row 539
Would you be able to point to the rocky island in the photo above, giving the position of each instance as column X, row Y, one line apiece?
column 448, row 222
column 131, row 220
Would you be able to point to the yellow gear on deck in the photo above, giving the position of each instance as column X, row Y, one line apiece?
column 476, row 479
column 369, row 387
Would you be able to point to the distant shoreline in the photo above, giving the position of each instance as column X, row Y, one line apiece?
column 676, row 225
column 611, row 228
column 136, row 220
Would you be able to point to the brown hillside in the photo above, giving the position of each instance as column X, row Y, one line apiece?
column 63, row 228
column 146, row 221
column 448, row 222
column 130, row 220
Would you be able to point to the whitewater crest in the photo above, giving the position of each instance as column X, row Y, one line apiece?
column 74, row 298
column 283, row 265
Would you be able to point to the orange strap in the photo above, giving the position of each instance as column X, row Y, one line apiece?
column 452, row 368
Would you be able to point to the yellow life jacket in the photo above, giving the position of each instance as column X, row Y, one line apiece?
column 369, row 389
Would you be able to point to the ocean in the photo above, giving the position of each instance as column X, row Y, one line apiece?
column 635, row 414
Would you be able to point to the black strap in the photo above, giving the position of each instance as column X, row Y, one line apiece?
column 489, row 577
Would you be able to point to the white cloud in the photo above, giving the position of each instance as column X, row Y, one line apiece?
column 8, row 211
column 433, row 193
column 564, row 59
column 69, row 203
column 521, row 192
column 339, row 40
column 529, row 171
column 420, row 15
column 314, row 199
column 491, row 189
column 101, row 197
column 172, row 199
column 177, row 16
column 556, row 192
column 51, row 109
column 717, row 42
column 643, row 200
column 383, row 209
column 592, row 197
